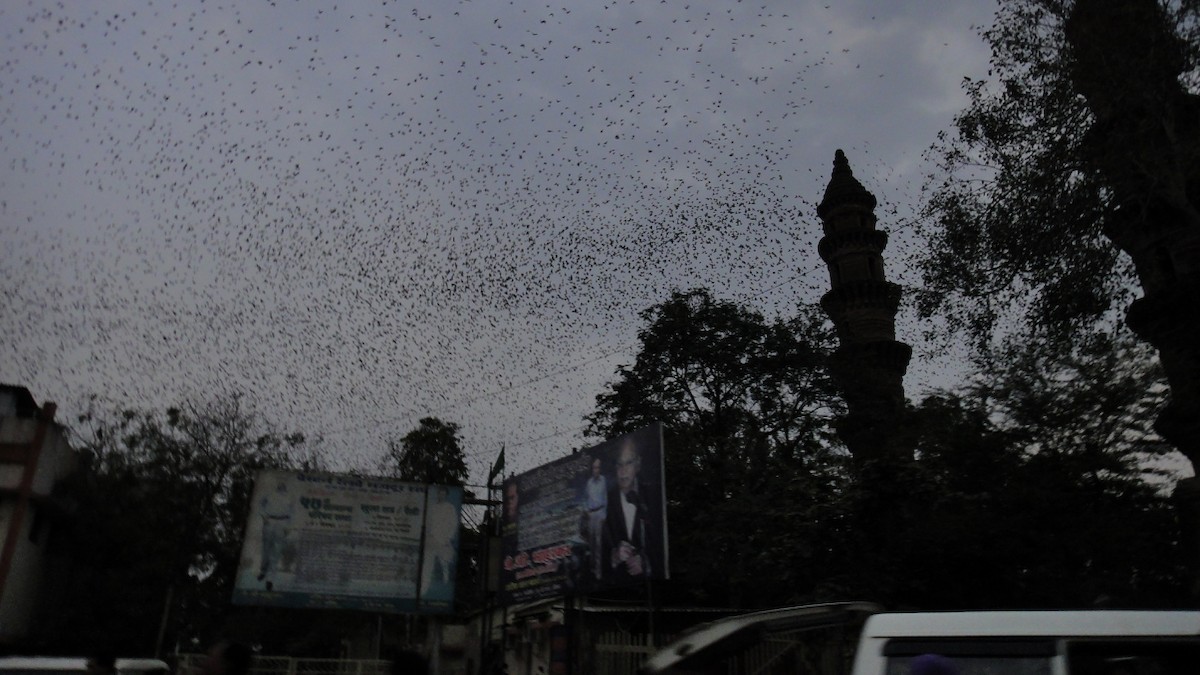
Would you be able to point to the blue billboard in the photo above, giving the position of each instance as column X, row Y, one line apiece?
column 322, row 540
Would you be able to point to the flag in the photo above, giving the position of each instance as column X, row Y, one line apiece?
column 497, row 467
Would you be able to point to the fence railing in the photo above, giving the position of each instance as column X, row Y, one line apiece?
column 619, row 653
column 189, row 664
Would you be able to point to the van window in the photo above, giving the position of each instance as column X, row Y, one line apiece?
column 1133, row 657
column 979, row 665
column 1007, row 656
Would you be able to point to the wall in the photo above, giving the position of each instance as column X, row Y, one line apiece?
column 22, row 583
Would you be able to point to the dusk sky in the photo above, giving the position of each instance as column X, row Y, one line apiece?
column 363, row 213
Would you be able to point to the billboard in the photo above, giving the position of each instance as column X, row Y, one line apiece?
column 587, row 522
column 335, row 541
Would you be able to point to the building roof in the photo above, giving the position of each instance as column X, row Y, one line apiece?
column 24, row 405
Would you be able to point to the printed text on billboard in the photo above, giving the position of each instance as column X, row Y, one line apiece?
column 587, row 522
column 336, row 541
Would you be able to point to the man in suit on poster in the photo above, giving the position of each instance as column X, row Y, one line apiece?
column 632, row 544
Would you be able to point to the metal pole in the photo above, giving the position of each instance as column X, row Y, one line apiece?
column 573, row 619
column 434, row 641
column 485, row 616
column 485, row 571
column 650, row 612
column 378, row 636
column 162, row 625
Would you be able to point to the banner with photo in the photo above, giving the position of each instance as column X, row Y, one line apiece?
column 587, row 522
column 321, row 540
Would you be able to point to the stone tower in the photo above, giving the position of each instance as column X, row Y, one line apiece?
column 869, row 364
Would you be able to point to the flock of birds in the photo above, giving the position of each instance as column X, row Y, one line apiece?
column 363, row 213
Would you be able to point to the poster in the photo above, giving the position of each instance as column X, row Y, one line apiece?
column 334, row 541
column 587, row 522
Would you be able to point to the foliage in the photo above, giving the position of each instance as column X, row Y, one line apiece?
column 1020, row 214
column 160, row 513
column 430, row 453
column 1094, row 402
column 1030, row 489
column 746, row 404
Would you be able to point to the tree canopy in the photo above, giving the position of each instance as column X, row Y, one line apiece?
column 1073, row 180
column 1021, row 213
column 160, row 511
column 1032, row 488
column 155, row 537
column 1029, row 488
column 431, row 453
column 746, row 403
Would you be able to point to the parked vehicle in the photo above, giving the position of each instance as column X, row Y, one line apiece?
column 1047, row 642
column 1089, row 642
column 812, row 638
column 69, row 665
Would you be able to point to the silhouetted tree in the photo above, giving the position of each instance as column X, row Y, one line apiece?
column 1032, row 488
column 746, row 404
column 160, row 511
column 1029, row 488
column 1072, row 179
column 430, row 453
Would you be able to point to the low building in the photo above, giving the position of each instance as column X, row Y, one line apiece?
column 34, row 457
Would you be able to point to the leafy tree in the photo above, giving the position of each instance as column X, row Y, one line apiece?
column 747, row 405
column 160, row 514
column 1072, row 179
column 1031, row 488
column 430, row 453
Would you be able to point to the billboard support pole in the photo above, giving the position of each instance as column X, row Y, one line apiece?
column 162, row 625
column 571, row 625
column 501, row 653
column 650, row 612
column 489, row 594
column 485, row 623
column 485, row 609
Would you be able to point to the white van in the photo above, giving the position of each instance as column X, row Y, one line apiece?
column 71, row 665
column 1089, row 642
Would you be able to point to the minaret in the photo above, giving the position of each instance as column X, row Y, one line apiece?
column 869, row 364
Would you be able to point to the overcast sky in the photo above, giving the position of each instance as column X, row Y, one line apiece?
column 359, row 214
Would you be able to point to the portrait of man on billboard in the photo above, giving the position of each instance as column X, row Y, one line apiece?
column 587, row 522
column 633, row 542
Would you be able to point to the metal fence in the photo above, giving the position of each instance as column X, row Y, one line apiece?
column 189, row 664
column 620, row 653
